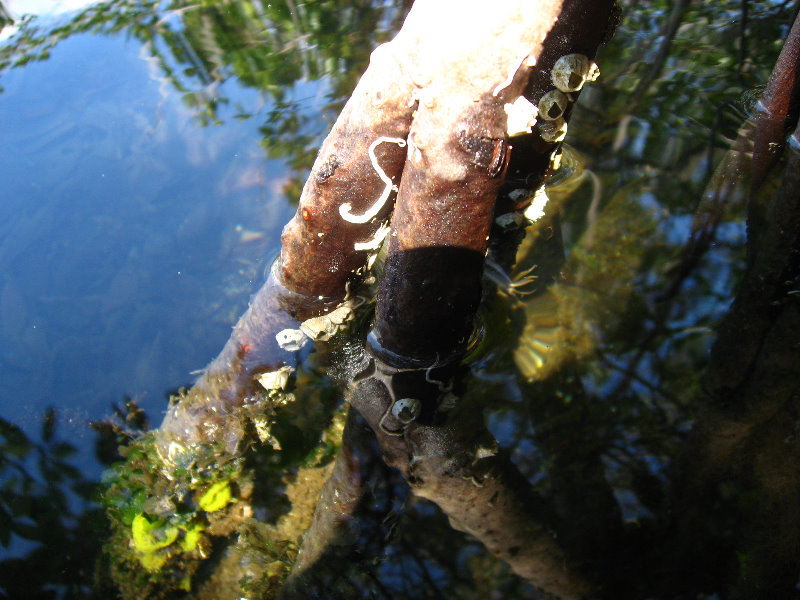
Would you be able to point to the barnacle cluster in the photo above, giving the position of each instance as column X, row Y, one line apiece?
column 321, row 328
column 568, row 75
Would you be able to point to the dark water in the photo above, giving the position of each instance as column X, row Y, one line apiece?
column 150, row 154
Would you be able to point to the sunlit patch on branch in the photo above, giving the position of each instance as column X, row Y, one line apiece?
column 527, row 61
column 521, row 116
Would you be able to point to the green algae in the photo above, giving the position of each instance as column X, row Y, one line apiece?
column 192, row 537
column 149, row 536
column 216, row 497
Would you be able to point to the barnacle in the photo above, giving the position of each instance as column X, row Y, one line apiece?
column 406, row 410
column 291, row 339
column 552, row 131
column 552, row 105
column 573, row 70
column 323, row 327
column 275, row 380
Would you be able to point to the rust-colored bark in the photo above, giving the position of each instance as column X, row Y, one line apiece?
column 318, row 255
column 778, row 107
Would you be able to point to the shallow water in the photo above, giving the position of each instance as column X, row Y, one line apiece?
column 132, row 235
column 150, row 159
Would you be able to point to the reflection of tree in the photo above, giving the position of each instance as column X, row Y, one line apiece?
column 5, row 16
column 620, row 333
column 266, row 46
column 46, row 503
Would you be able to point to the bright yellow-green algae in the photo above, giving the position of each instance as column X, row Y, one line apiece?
column 216, row 497
column 159, row 527
column 192, row 537
column 149, row 536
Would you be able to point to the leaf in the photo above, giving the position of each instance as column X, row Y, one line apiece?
column 63, row 450
column 49, row 424
column 16, row 443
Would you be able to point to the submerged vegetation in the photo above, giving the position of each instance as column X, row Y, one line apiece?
column 594, row 370
column 169, row 515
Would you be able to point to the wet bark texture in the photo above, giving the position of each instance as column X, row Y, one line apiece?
column 318, row 255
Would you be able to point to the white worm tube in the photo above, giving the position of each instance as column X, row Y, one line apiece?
column 344, row 209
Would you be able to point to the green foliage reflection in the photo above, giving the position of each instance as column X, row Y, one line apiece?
column 641, row 285
column 270, row 47
column 46, row 504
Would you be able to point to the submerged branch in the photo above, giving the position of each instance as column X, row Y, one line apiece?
column 746, row 434
column 456, row 464
column 778, row 107
column 352, row 515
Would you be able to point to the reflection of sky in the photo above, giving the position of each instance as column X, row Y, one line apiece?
column 45, row 7
column 130, row 236
column 40, row 8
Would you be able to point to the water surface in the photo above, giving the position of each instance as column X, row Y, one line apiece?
column 151, row 153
